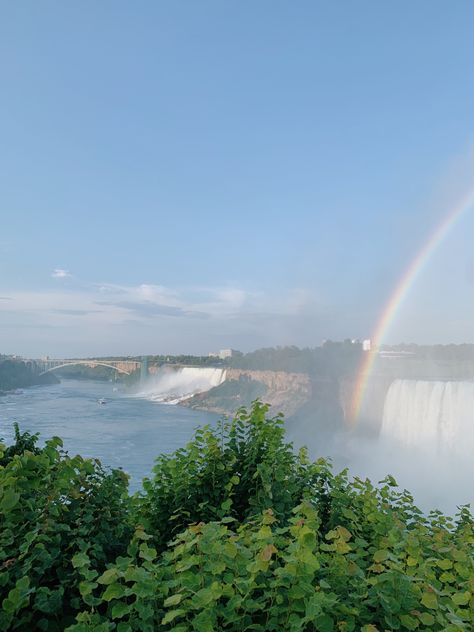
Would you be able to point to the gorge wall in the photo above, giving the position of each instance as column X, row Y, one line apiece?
column 285, row 392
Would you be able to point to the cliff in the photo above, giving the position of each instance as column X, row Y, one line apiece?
column 17, row 374
column 285, row 392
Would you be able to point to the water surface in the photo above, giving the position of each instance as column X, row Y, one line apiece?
column 127, row 432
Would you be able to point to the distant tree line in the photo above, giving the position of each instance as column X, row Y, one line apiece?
column 18, row 374
column 82, row 372
column 332, row 359
column 188, row 360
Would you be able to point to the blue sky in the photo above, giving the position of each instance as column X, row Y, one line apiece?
column 215, row 174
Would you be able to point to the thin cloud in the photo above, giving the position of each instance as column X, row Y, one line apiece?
column 75, row 312
column 60, row 273
column 149, row 309
column 192, row 318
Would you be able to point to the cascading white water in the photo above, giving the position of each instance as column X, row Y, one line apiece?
column 435, row 416
column 172, row 386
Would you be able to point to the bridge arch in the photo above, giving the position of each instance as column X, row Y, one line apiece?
column 85, row 363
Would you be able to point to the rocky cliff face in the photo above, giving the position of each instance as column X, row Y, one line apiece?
column 285, row 392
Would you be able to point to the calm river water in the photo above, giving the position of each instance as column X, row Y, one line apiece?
column 127, row 432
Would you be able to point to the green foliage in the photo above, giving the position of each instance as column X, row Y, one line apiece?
column 331, row 360
column 52, row 509
column 24, row 441
column 236, row 470
column 234, row 532
column 17, row 374
column 83, row 372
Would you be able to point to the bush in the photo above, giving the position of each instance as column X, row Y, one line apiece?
column 237, row 469
column 53, row 507
column 234, row 532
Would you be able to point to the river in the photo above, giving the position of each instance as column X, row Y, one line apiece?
column 127, row 432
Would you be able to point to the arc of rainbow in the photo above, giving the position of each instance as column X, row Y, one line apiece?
column 396, row 299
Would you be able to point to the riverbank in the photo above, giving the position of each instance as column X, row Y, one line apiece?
column 16, row 374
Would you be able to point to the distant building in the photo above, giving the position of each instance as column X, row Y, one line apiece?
column 223, row 354
column 226, row 353
column 366, row 345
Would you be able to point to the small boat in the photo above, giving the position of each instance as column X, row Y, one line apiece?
column 101, row 401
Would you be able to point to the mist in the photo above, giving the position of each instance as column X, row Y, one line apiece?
column 424, row 438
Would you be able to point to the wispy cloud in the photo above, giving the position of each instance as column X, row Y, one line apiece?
column 74, row 312
column 148, row 317
column 60, row 273
column 149, row 309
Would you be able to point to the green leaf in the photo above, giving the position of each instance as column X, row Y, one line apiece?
column 324, row 623
column 444, row 564
column 79, row 560
column 147, row 553
column 171, row 616
column 429, row 600
column 113, row 591
column 108, row 576
column 410, row 623
column 381, row 555
column 426, row 618
column 173, row 600
column 86, row 588
column 9, row 500
column 120, row 609
column 461, row 598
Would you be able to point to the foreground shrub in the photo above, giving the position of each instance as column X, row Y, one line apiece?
column 237, row 469
column 53, row 507
column 234, row 532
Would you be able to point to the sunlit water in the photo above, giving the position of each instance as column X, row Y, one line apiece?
column 126, row 432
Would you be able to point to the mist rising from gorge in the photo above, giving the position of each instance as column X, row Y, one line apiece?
column 425, row 439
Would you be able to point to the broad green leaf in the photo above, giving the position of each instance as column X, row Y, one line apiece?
column 426, row 618
column 171, row 616
column 429, row 600
column 9, row 500
column 79, row 560
column 120, row 609
column 173, row 600
column 109, row 576
column 410, row 623
column 444, row 564
column 381, row 555
column 113, row 591
column 461, row 598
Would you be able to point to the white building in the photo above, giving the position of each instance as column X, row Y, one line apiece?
column 225, row 353
column 222, row 354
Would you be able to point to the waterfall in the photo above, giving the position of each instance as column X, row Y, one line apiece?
column 172, row 385
column 435, row 416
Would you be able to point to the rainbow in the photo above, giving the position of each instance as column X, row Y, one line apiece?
column 396, row 300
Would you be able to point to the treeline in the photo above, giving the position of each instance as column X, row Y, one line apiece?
column 233, row 532
column 332, row 359
column 159, row 360
column 18, row 374
column 82, row 372
column 188, row 360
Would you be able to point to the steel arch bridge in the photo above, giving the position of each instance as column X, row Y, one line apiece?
column 121, row 366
